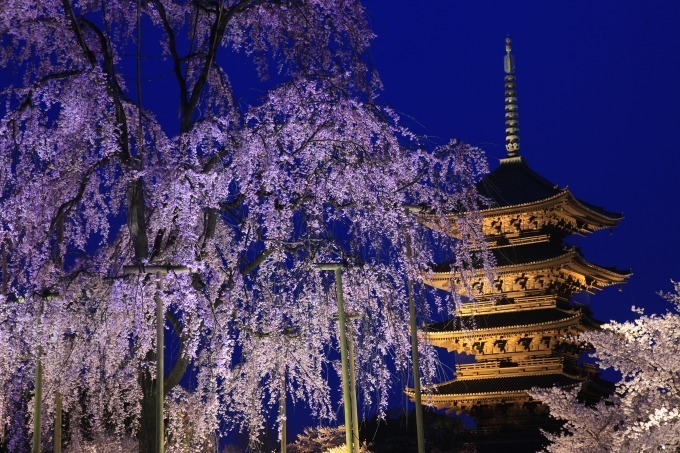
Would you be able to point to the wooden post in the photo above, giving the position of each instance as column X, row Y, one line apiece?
column 353, row 390
column 57, row 422
column 5, row 277
column 415, row 357
column 416, row 371
column 160, row 364
column 160, row 341
column 282, row 409
column 37, row 395
column 37, row 402
column 346, row 396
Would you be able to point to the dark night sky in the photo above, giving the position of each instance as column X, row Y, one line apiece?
column 599, row 105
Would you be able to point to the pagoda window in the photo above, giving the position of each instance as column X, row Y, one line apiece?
column 525, row 343
column 500, row 344
column 479, row 346
column 478, row 286
column 522, row 281
column 534, row 220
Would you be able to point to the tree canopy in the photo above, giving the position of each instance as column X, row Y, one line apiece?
column 644, row 412
column 248, row 196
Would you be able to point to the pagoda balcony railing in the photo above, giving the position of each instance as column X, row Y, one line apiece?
column 507, row 368
column 523, row 303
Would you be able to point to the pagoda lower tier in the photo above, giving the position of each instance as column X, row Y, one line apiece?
column 496, row 383
column 491, row 391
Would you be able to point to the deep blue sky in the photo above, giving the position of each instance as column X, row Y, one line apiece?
column 599, row 105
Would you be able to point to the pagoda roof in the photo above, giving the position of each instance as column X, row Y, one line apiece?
column 528, row 253
column 515, row 184
column 469, row 387
column 523, row 318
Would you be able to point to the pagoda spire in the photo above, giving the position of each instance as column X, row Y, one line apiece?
column 511, row 115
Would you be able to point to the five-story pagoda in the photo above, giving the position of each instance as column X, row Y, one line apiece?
column 519, row 327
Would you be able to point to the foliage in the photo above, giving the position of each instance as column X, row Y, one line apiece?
column 318, row 439
column 644, row 412
column 322, row 439
column 247, row 196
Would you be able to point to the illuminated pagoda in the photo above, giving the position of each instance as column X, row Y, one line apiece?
column 518, row 328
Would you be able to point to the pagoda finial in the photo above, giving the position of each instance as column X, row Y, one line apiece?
column 511, row 115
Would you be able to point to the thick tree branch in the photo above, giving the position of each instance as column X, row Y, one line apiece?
column 182, row 363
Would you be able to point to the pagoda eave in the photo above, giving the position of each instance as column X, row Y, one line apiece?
column 461, row 401
column 569, row 268
column 498, row 343
column 562, row 211
column 478, row 332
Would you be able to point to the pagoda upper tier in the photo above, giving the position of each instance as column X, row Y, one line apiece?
column 520, row 206
column 532, row 268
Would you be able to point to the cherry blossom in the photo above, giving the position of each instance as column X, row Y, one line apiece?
column 644, row 412
column 247, row 196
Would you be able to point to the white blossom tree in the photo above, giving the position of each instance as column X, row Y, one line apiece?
column 247, row 197
column 644, row 412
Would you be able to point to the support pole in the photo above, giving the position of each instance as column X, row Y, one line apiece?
column 37, row 402
column 416, row 371
column 160, row 364
column 160, row 341
column 282, row 411
column 37, row 395
column 5, row 277
column 346, row 396
column 353, row 390
column 57, row 422
column 415, row 357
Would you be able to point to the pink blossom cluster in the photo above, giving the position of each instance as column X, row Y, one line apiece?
column 247, row 197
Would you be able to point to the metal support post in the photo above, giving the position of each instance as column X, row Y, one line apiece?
column 37, row 402
column 346, row 396
column 57, row 422
column 160, row 341
column 37, row 395
column 282, row 411
column 353, row 390
column 160, row 365
column 415, row 357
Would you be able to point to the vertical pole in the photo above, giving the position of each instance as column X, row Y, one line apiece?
column 160, row 359
column 57, row 423
column 415, row 357
column 37, row 402
column 353, row 390
column 347, row 399
column 282, row 410
column 37, row 396
column 4, row 269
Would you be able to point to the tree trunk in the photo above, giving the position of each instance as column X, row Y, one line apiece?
column 147, row 422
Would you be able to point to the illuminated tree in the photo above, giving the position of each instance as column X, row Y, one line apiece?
column 644, row 412
column 246, row 197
